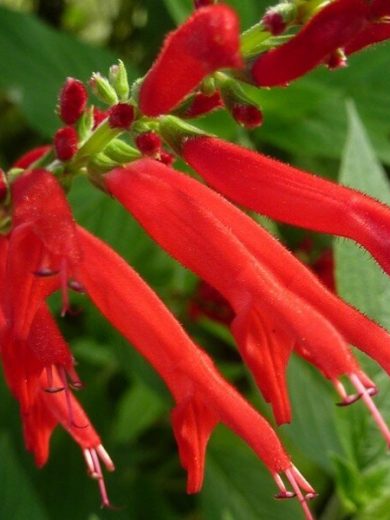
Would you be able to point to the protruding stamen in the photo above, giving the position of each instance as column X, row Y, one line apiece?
column 51, row 388
column 64, row 287
column 346, row 399
column 100, row 479
column 71, row 421
column 74, row 380
column 76, row 286
column 384, row 429
column 90, row 465
column 295, row 482
column 283, row 492
column 105, row 458
column 303, row 483
column 44, row 272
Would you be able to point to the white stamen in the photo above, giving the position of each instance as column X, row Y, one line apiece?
column 384, row 429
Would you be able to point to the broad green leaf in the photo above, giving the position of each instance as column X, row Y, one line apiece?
column 179, row 9
column 313, row 428
column 362, row 283
column 138, row 409
column 35, row 61
column 19, row 499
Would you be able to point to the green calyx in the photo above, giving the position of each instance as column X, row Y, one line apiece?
column 176, row 132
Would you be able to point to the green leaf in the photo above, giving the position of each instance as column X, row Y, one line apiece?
column 35, row 60
column 19, row 498
column 313, row 429
column 362, row 283
column 179, row 9
column 139, row 408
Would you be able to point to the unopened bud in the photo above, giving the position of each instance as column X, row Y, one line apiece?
column 277, row 18
column 3, row 185
column 239, row 104
column 166, row 158
column 149, row 143
column 249, row 116
column 72, row 101
column 103, row 89
column 65, row 143
column 118, row 79
column 121, row 116
column 203, row 3
column 199, row 104
column 98, row 116
column 336, row 60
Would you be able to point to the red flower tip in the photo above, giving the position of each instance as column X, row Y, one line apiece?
column 201, row 104
column 31, row 156
column 99, row 116
column 72, row 101
column 65, row 143
column 3, row 185
column 166, row 158
column 206, row 42
column 274, row 22
column 203, row 3
column 121, row 116
column 148, row 143
column 327, row 31
column 248, row 116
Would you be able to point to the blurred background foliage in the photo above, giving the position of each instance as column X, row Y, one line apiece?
column 335, row 124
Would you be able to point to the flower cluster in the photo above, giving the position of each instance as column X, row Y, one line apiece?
column 275, row 305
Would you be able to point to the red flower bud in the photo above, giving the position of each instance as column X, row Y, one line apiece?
column 336, row 60
column 121, row 116
column 148, row 143
column 274, row 22
column 72, row 101
column 98, row 116
column 166, row 158
column 247, row 115
column 203, row 3
column 3, row 185
column 202, row 104
column 328, row 30
column 65, row 143
column 206, row 42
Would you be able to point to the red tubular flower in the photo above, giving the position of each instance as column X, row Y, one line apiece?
column 374, row 33
column 121, row 115
column 206, row 42
column 276, row 305
column 328, row 30
column 285, row 193
column 43, row 248
column 202, row 396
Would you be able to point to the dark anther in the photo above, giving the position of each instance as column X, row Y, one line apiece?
column 54, row 389
column 45, row 271
column 283, row 495
column 76, row 286
column 350, row 400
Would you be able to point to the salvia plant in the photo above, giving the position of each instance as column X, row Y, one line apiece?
column 275, row 305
